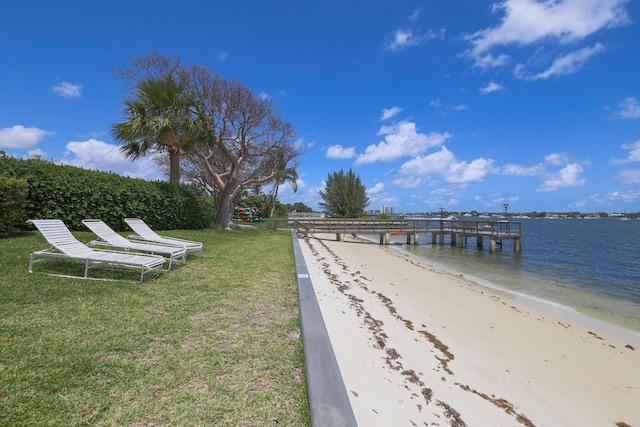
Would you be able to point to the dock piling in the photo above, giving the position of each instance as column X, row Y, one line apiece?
column 457, row 230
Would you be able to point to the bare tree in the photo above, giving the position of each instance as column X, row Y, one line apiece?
column 243, row 142
column 152, row 66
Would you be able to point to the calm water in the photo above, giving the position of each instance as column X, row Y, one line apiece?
column 590, row 266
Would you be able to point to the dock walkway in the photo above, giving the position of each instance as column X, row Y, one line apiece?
column 457, row 231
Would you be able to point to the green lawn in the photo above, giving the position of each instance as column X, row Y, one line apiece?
column 215, row 341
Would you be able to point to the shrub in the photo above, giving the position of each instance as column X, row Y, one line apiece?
column 13, row 195
column 72, row 194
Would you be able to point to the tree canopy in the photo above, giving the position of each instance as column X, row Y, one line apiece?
column 243, row 142
column 157, row 117
column 344, row 196
column 231, row 139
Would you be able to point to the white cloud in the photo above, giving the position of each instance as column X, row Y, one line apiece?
column 511, row 199
column 530, row 21
column 568, row 176
column 387, row 113
column 376, row 190
column 36, row 152
column 300, row 183
column 434, row 163
column 286, row 193
column 459, row 107
column 401, row 139
column 629, row 109
column 629, row 177
column 438, row 104
column 517, row 170
column 340, row 152
column 94, row 154
column 414, row 16
column 566, row 64
column 556, row 159
column 310, row 196
column 302, row 144
column 490, row 87
column 490, row 61
column 410, row 181
column 404, row 38
column 616, row 197
column 463, row 172
column 542, row 169
column 634, row 153
column 68, row 90
column 20, row 137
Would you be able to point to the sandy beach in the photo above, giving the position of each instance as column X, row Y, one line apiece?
column 422, row 347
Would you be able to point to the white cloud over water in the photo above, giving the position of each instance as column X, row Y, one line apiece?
column 568, row 176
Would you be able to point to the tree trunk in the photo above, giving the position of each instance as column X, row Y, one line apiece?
column 173, row 147
column 174, row 167
column 223, row 214
column 275, row 199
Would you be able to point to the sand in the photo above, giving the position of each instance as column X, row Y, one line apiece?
column 422, row 347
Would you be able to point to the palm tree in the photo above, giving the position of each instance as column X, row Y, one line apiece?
column 285, row 175
column 157, row 117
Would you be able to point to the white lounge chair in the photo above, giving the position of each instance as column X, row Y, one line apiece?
column 65, row 246
column 110, row 239
column 146, row 234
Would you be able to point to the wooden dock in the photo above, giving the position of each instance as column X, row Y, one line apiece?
column 458, row 232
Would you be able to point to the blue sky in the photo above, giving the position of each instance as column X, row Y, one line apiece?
column 454, row 104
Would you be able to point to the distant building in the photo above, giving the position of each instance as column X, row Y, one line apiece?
column 389, row 210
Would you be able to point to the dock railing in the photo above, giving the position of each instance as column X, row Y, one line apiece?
column 457, row 230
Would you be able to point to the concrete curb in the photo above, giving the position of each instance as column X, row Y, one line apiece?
column 328, row 400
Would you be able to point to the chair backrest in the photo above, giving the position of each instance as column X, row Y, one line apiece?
column 59, row 236
column 105, row 232
column 140, row 227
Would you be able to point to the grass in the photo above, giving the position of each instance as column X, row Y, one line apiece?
column 215, row 341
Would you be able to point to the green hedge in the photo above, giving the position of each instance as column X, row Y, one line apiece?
column 13, row 197
column 72, row 194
